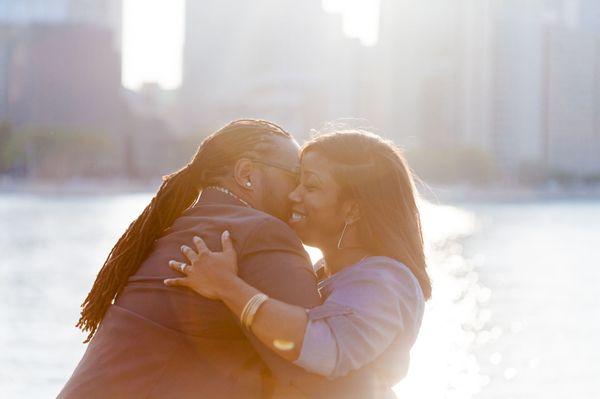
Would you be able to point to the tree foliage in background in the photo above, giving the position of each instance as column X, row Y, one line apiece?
column 143, row 150
column 5, row 137
column 54, row 153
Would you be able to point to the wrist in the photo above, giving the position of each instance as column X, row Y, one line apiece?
column 226, row 284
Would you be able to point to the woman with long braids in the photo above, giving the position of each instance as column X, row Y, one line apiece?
column 356, row 203
column 176, row 194
column 147, row 340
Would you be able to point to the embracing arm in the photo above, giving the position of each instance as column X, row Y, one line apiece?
column 351, row 329
column 285, row 276
column 361, row 318
column 278, row 325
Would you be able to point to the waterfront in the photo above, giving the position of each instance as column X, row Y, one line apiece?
column 514, row 312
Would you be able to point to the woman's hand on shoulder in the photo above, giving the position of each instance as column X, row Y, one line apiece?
column 206, row 272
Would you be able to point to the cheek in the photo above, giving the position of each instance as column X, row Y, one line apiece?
column 323, row 214
column 281, row 195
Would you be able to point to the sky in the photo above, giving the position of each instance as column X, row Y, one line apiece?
column 153, row 32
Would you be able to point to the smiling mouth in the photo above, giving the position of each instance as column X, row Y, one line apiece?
column 296, row 217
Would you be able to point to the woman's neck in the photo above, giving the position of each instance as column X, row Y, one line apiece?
column 338, row 259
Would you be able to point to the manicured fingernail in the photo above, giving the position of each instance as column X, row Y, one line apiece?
column 183, row 247
column 172, row 263
column 196, row 238
column 226, row 234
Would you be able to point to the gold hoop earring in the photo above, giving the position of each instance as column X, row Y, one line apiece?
column 339, row 244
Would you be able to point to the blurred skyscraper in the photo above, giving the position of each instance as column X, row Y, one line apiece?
column 572, row 89
column 517, row 84
column 415, row 71
column 101, row 13
column 283, row 60
column 60, row 63
column 517, row 79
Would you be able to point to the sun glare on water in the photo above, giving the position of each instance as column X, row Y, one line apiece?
column 442, row 363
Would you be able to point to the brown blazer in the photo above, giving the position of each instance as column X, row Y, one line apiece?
column 168, row 342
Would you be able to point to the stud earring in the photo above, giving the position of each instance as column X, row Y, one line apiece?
column 248, row 184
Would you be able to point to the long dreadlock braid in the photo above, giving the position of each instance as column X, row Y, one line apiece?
column 214, row 158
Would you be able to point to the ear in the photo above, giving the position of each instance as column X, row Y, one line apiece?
column 353, row 213
column 242, row 173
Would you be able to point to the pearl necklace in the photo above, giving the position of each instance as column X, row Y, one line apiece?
column 226, row 191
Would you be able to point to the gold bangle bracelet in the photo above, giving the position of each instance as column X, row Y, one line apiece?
column 246, row 307
column 252, row 312
column 247, row 316
column 249, row 309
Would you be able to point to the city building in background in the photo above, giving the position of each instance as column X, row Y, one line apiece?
column 482, row 90
column 515, row 80
column 282, row 60
column 99, row 13
column 61, row 93
column 65, row 75
column 572, row 107
column 60, row 63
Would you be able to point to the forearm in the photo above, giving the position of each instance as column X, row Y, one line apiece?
column 278, row 325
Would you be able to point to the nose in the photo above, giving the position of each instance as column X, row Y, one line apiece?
column 294, row 196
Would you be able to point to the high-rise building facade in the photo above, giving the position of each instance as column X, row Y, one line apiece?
column 101, row 13
column 60, row 63
column 572, row 92
column 414, row 72
column 433, row 72
column 516, row 79
column 276, row 59
column 516, row 86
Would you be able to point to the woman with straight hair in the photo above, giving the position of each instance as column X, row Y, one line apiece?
column 356, row 202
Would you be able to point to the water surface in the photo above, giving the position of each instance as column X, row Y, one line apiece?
column 514, row 312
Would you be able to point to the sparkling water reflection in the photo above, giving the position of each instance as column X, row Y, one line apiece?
column 514, row 312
